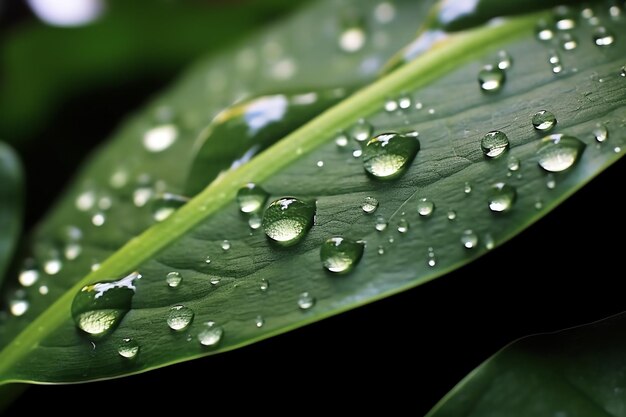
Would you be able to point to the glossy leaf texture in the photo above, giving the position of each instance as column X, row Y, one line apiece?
column 11, row 205
column 575, row 372
column 451, row 205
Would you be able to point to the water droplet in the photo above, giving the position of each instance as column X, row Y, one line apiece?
column 214, row 280
column 251, row 198
column 555, row 61
column 565, row 18
column 501, row 197
column 128, row 348
column 622, row 72
column 43, row 290
column 361, row 131
column 259, row 321
column 98, row 308
column 211, row 334
column 381, row 250
column 352, row 39
column 98, row 219
column 254, row 221
column 160, row 138
column 494, row 144
column 341, row 140
column 538, row 204
column 491, row 78
column 287, row 220
column 543, row 120
column 391, row 105
column 173, row 279
column 467, row 188
column 18, row 307
column 306, row 301
column 617, row 149
column 550, row 182
column 225, row 245
column 105, row 203
column 568, row 41
column 404, row 102
column 119, row 178
column 369, row 205
column 380, row 224
column 264, row 285
column 504, row 60
column 164, row 205
column 489, row 242
column 543, row 31
column 53, row 265
column 513, row 163
column 559, row 152
column 601, row 133
column 403, row 226
column 387, row 156
column 469, row 239
column 320, row 164
column 357, row 153
column 432, row 259
column 85, row 201
column 451, row 215
column 207, row 260
column 603, row 36
column 425, row 207
column 385, row 12
column 72, row 251
column 179, row 317
column 142, row 195
column 28, row 277
column 340, row 255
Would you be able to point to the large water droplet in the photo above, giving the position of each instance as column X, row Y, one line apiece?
column 387, row 156
column 494, row 144
column 425, row 207
column 491, row 78
column 340, row 255
column 164, row 205
column 306, row 301
column 501, row 197
column 211, row 334
column 173, row 279
column 361, row 131
column 469, row 240
column 179, row 317
column 603, row 36
column 559, row 152
column 369, row 205
column 251, row 198
column 128, row 348
column 99, row 307
column 544, row 120
column 287, row 220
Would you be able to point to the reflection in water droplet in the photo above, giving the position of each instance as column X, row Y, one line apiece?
column 469, row 240
column 259, row 321
column 173, row 279
column 99, row 307
column 287, row 220
column 601, row 133
column 179, row 317
column 513, row 164
column 340, row 255
column 164, row 205
column 306, row 301
column 491, row 78
column 211, row 334
column 559, row 152
column 425, row 207
column 603, row 36
column 381, row 224
column 501, row 197
column 251, row 198
column 28, row 277
column 369, row 205
column 128, row 348
column 361, row 131
column 494, row 144
column 387, row 156
column 160, row 138
column 543, row 120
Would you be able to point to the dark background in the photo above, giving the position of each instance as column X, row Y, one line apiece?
column 399, row 354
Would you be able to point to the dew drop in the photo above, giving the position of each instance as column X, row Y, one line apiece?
column 207, row 260
column 543, row 31
column 98, row 308
column 559, row 152
column 501, row 197
column 425, row 207
column 173, row 279
column 467, row 188
column 98, row 219
column 451, row 215
column 340, row 255
column 381, row 250
column 380, row 224
column 603, row 36
column 214, row 280
column 264, row 285
column 254, row 221
column 601, row 133
column 369, row 205
column 251, row 198
column 504, row 60
column 361, row 131
column 489, row 242
column 287, row 220
column 543, row 120
column 469, row 240
column 357, row 153
column 164, row 205
column 28, row 277
column 320, row 164
column 160, row 138
column 403, row 226
column 387, row 156
column 18, row 307
column 43, row 290
column 513, row 164
column 352, row 39
column 491, row 78
column 225, row 245
column 211, row 334
column 341, row 140
column 128, row 348
column 391, row 105
column 494, row 144
column 259, row 321
column 306, row 301
column 550, row 182
column 538, row 205
column 568, row 42
column 179, row 317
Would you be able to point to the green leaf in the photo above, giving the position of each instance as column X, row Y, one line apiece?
column 575, row 372
column 11, row 202
column 227, row 291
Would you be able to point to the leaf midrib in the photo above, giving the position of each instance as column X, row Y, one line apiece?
column 446, row 57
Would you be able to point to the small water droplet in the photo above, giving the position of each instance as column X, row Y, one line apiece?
column 341, row 140
column 543, row 120
column 603, row 36
column 601, row 133
column 119, row 178
column 469, row 240
column 550, row 182
column 559, row 152
column 160, row 138
column 565, row 18
column 43, row 290
column 491, row 78
column 211, row 334
column 432, row 259
column 340, row 255
column 385, row 12
column 98, row 219
column 225, row 245
column 259, row 321
column 369, row 205
column 404, row 102
column 451, row 215
column 352, row 39
column 165, row 204
column 568, row 41
column 381, row 250
column 72, row 251
column 214, row 280
column 555, row 62
column 361, row 131
column 622, row 72
column 287, row 220
column 543, row 31
column 18, row 307
column 28, row 277
column 207, row 260
column 387, row 156
column 128, row 348
column 425, row 207
column 98, row 308
column 489, row 242
column 494, row 144
column 264, row 285
column 501, row 197
column 391, row 105
column 86, row 200
column 105, row 203
column 53, row 265
column 380, row 224
column 504, row 60
column 467, row 188
column 251, row 198
column 357, row 153
column 173, row 279
column 306, row 301
column 254, row 221
column 617, row 149
column 403, row 226
column 513, row 164
column 179, row 317
column 320, row 164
